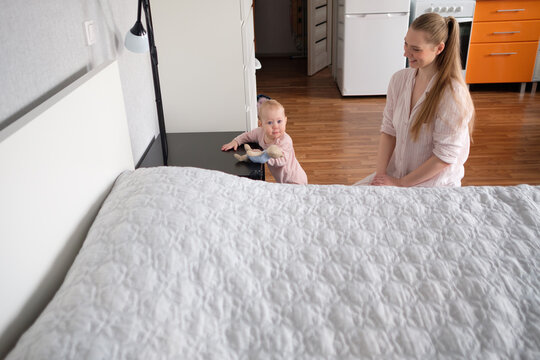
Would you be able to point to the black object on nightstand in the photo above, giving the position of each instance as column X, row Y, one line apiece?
column 203, row 150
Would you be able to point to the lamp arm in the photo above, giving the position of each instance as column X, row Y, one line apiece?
column 155, row 74
column 139, row 8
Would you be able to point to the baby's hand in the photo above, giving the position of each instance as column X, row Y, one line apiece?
column 232, row 145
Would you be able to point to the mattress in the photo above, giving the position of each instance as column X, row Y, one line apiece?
column 185, row 263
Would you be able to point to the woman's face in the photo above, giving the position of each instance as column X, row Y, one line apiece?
column 419, row 52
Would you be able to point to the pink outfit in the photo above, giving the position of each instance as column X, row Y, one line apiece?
column 442, row 140
column 286, row 169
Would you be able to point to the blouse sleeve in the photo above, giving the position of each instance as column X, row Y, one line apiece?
column 388, row 114
column 451, row 129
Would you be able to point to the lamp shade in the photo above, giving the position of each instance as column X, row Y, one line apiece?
column 136, row 39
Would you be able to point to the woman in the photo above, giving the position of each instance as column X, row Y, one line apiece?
column 428, row 118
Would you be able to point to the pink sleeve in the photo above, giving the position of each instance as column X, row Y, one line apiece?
column 287, row 149
column 451, row 131
column 388, row 114
column 247, row 137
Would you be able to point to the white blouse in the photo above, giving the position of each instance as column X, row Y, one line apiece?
column 448, row 138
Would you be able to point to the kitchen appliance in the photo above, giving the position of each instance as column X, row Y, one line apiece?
column 370, row 44
column 462, row 10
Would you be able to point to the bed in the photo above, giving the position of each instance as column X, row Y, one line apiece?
column 186, row 263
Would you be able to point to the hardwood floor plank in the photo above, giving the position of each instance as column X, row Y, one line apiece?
column 336, row 138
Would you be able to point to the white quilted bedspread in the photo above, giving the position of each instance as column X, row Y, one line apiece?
column 183, row 263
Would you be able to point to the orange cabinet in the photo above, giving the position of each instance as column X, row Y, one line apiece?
column 504, row 41
column 506, row 31
column 506, row 10
column 501, row 62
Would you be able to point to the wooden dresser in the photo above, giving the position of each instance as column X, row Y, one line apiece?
column 504, row 41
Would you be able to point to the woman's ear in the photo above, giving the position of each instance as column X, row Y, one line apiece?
column 440, row 48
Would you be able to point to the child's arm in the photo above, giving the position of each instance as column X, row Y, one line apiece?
column 287, row 150
column 248, row 136
column 232, row 145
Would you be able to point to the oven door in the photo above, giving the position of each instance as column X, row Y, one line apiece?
column 465, row 26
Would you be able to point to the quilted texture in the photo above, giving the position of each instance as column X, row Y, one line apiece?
column 184, row 263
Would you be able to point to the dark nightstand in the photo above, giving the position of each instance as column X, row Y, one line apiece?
column 203, row 150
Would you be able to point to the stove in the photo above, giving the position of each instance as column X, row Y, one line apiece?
column 462, row 10
column 459, row 9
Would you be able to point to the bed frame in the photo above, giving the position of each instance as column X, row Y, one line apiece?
column 58, row 163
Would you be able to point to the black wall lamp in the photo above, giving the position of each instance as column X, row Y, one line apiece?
column 140, row 41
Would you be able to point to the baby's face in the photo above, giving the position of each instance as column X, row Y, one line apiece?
column 274, row 121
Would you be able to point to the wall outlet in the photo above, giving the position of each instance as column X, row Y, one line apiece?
column 90, row 32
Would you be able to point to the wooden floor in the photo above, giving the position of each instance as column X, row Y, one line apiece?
column 335, row 137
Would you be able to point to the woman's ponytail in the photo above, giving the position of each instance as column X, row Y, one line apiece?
column 440, row 30
column 449, row 61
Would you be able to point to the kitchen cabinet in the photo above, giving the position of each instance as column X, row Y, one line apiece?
column 504, row 41
column 206, row 64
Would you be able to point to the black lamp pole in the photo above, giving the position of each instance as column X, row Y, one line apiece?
column 153, row 57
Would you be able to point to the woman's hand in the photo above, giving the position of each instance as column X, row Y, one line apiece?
column 232, row 145
column 424, row 172
column 385, row 180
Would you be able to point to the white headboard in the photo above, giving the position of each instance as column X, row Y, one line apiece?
column 57, row 164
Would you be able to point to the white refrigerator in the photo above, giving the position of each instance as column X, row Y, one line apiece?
column 370, row 44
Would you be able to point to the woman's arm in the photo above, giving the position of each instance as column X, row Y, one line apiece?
column 387, row 143
column 424, row 172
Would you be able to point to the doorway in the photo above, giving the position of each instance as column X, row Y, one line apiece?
column 294, row 29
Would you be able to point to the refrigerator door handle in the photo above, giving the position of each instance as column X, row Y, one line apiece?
column 387, row 15
column 397, row 14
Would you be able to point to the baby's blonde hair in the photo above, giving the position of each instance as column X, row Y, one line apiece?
column 269, row 104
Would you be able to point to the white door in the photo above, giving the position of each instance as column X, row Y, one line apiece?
column 319, row 16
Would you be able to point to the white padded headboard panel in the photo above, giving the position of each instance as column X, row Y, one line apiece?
column 57, row 164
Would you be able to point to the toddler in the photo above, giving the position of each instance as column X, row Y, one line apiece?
column 271, row 131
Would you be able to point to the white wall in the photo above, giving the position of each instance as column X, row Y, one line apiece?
column 200, row 63
column 43, row 50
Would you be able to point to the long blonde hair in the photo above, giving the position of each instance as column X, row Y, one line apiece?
column 446, row 30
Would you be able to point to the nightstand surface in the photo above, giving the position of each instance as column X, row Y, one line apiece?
column 203, row 150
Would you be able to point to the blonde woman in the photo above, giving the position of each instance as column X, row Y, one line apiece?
column 429, row 114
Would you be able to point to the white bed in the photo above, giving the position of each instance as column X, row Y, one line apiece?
column 185, row 263
column 191, row 263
